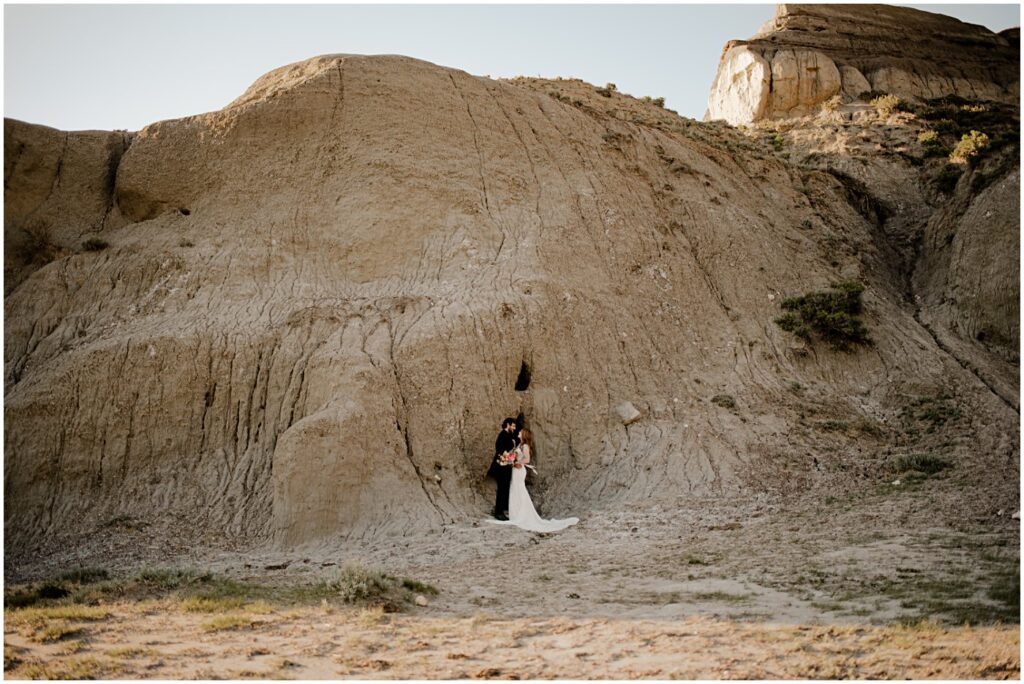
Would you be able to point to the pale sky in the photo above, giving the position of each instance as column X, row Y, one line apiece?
column 77, row 67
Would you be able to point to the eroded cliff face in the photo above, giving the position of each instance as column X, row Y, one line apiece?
column 58, row 191
column 315, row 304
column 809, row 54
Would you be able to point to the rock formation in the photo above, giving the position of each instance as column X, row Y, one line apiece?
column 304, row 316
column 808, row 54
column 58, row 189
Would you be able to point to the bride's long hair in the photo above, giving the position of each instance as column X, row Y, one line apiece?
column 526, row 437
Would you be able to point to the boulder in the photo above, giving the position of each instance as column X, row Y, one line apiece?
column 741, row 88
column 627, row 413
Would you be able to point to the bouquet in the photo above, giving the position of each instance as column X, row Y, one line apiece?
column 507, row 458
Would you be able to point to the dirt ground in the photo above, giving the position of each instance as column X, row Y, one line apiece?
column 151, row 642
column 882, row 587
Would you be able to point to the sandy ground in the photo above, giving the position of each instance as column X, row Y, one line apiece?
column 886, row 586
column 316, row 644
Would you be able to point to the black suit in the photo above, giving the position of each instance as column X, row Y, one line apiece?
column 502, row 475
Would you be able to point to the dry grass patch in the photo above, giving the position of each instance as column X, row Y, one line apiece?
column 129, row 652
column 371, row 616
column 203, row 604
column 11, row 659
column 721, row 597
column 229, row 622
column 40, row 615
column 55, row 632
column 259, row 607
column 85, row 667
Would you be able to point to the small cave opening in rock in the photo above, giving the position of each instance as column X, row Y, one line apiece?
column 523, row 381
column 184, row 212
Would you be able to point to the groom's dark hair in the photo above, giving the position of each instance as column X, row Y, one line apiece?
column 508, row 421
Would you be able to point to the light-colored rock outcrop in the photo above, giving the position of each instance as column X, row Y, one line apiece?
column 753, row 84
column 742, row 86
column 813, row 52
column 316, row 303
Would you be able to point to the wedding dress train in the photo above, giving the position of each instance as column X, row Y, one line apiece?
column 521, row 512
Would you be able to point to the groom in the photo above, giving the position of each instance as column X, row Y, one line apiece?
column 502, row 475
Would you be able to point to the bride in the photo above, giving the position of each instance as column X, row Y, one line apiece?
column 521, row 512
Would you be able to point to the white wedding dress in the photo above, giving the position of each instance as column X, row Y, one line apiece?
column 521, row 512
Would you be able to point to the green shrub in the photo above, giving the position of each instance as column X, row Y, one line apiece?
column 1006, row 589
column 947, row 179
column 886, row 104
column 22, row 598
column 946, row 126
column 921, row 463
column 95, row 244
column 934, row 411
column 86, row 575
column 169, row 578
column 931, row 143
column 833, row 314
column 791, row 322
column 659, row 102
column 724, row 400
column 969, row 147
column 34, row 248
column 904, row 106
column 869, row 95
column 419, row 587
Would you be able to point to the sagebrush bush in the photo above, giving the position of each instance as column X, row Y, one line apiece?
column 355, row 583
column 170, row 578
column 969, row 147
column 35, row 248
column 922, row 463
column 724, row 400
column 931, row 143
column 832, row 314
column 886, row 104
column 833, row 103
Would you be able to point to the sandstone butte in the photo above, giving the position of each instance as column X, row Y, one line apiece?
column 808, row 54
column 301, row 318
